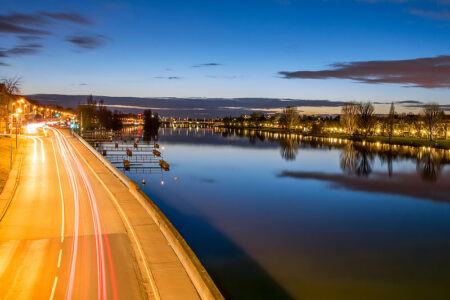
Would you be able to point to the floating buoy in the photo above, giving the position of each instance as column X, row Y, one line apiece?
column 143, row 181
column 176, row 179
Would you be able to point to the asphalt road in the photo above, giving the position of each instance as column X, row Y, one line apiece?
column 62, row 238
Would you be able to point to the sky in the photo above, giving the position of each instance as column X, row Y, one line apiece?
column 338, row 50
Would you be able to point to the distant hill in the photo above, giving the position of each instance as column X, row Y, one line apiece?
column 187, row 107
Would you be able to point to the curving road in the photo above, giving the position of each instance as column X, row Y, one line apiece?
column 62, row 238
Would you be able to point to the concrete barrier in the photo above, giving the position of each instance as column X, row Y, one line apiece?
column 200, row 278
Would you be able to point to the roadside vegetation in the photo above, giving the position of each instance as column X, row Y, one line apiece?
column 5, row 144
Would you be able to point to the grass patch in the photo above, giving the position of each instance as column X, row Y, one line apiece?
column 4, row 158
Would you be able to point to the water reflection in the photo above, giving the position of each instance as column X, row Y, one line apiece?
column 356, row 158
column 429, row 164
column 288, row 149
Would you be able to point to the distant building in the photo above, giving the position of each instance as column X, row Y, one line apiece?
column 5, row 99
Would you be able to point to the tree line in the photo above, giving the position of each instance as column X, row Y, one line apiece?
column 356, row 119
column 95, row 115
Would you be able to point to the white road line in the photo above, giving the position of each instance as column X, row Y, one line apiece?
column 76, row 201
column 61, row 192
column 128, row 225
column 54, row 288
column 59, row 258
column 35, row 149
column 42, row 149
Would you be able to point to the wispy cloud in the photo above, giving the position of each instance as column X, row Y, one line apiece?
column 68, row 17
column 6, row 27
column 431, row 14
column 167, row 77
column 37, row 23
column 29, row 38
column 428, row 72
column 26, row 49
column 405, row 184
column 88, row 42
column 212, row 64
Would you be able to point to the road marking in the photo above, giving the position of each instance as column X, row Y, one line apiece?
column 74, row 251
column 35, row 149
column 54, row 288
column 61, row 192
column 101, row 270
column 59, row 258
column 128, row 225
column 42, row 149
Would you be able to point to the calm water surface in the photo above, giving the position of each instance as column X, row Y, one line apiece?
column 273, row 217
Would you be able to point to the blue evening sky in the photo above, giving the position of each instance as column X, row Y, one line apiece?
column 163, row 48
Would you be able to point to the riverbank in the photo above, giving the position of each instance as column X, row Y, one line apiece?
column 176, row 271
column 395, row 140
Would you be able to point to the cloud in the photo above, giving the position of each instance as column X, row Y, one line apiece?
column 222, row 76
column 28, row 38
column 378, row 1
column 431, row 14
column 17, row 23
column 405, row 184
column 6, row 27
column 427, row 72
column 167, row 77
column 26, row 49
column 88, row 42
column 409, row 102
column 68, row 17
column 207, row 65
column 34, row 26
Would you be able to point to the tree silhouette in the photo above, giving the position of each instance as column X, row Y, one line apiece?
column 288, row 149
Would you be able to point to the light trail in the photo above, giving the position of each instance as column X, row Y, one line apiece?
column 64, row 152
column 127, row 223
column 60, row 192
column 100, row 249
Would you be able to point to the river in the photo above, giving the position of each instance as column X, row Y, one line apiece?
column 274, row 216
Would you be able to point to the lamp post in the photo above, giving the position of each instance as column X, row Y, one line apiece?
column 19, row 111
column 10, row 144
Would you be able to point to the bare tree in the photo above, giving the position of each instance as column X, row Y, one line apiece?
column 366, row 118
column 12, row 85
column 349, row 117
column 289, row 117
column 390, row 121
column 432, row 116
column 9, row 87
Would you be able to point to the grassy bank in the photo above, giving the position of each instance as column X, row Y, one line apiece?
column 397, row 140
column 4, row 158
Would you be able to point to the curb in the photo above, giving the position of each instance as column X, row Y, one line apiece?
column 200, row 278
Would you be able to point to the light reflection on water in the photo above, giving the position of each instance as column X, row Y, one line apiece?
column 279, row 217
